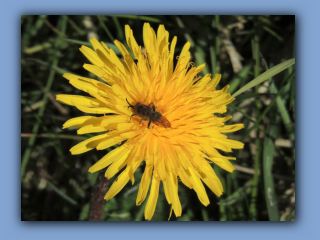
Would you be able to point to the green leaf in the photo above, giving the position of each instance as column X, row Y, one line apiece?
column 241, row 77
column 273, row 33
column 62, row 194
column 105, row 28
column 265, row 76
column 268, row 154
column 201, row 58
column 110, row 45
column 88, row 44
column 51, row 66
column 36, row 125
column 84, row 214
column 144, row 18
column 37, row 48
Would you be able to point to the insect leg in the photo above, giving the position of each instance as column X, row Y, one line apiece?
column 149, row 124
column 140, row 121
column 129, row 104
column 132, row 116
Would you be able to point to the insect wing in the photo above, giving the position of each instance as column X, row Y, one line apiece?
column 164, row 122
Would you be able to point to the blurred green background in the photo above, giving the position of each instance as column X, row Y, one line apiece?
column 56, row 185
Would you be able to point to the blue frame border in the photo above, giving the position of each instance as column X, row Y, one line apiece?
column 307, row 85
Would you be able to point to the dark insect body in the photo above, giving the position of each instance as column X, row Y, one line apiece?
column 149, row 113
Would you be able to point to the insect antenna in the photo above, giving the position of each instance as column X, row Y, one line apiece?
column 129, row 104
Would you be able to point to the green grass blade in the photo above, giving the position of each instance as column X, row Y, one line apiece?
column 292, row 94
column 222, row 207
column 252, row 95
column 204, row 214
column 57, row 69
column 38, row 25
column 120, row 32
column 281, row 103
column 76, row 27
column 55, row 136
column 213, row 60
column 285, row 116
column 267, row 109
column 217, row 43
column 265, row 76
column 241, row 77
column 88, row 44
column 36, row 126
column 254, row 193
column 60, row 193
column 238, row 193
column 145, row 18
column 264, row 113
column 273, row 33
column 37, row 48
column 257, row 105
column 201, row 58
column 268, row 154
column 139, row 216
column 105, row 28
column 186, row 35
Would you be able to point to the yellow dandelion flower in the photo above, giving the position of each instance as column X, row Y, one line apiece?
column 161, row 114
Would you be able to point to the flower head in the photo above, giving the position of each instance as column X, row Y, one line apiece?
column 160, row 114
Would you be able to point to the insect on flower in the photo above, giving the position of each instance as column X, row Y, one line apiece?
column 148, row 112
column 187, row 135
